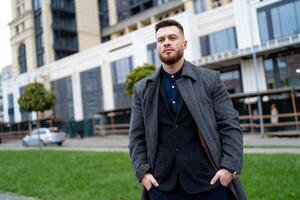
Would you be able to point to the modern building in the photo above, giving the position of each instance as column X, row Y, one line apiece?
column 84, row 51
column 46, row 31
column 5, row 74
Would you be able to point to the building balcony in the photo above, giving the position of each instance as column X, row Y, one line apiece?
column 63, row 26
column 271, row 46
column 63, row 6
column 63, row 46
column 146, row 14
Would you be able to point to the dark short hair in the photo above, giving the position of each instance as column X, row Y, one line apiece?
column 168, row 22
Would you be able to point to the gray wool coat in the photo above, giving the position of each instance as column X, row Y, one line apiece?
column 211, row 107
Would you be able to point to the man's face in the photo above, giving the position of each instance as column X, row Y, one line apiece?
column 170, row 44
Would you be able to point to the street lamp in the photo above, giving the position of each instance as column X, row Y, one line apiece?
column 260, row 112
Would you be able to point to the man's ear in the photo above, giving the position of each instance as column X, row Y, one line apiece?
column 184, row 44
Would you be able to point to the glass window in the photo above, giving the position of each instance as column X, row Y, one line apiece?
column 276, row 22
column 39, row 43
column 231, row 38
column 221, row 42
column 25, row 116
column 103, row 13
column 218, row 42
column 36, row 4
column 288, row 19
column 152, row 54
column 297, row 10
column 263, row 24
column 11, row 114
column 279, row 20
column 64, row 28
column 212, row 44
column 291, row 75
column 64, row 108
column 22, row 58
column 159, row 2
column 120, row 69
column 199, row 6
column 205, row 48
column 232, row 79
column 91, row 92
column 269, row 71
column 281, row 71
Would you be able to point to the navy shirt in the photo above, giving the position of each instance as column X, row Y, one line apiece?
column 170, row 88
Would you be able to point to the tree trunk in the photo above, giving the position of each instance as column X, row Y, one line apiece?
column 38, row 126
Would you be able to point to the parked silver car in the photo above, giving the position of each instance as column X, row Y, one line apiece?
column 52, row 135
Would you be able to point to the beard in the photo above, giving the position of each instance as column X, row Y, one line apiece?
column 171, row 59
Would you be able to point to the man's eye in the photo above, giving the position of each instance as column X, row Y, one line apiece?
column 172, row 38
column 160, row 40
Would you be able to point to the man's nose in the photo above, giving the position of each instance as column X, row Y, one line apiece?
column 167, row 42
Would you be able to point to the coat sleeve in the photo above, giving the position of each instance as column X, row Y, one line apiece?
column 137, row 143
column 227, row 119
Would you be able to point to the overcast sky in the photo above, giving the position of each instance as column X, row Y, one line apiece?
column 5, row 18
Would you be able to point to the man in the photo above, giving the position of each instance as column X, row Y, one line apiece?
column 185, row 141
column 274, row 117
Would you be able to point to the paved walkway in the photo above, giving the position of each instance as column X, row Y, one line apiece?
column 9, row 196
column 253, row 144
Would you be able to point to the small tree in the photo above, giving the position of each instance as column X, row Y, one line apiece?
column 137, row 74
column 36, row 99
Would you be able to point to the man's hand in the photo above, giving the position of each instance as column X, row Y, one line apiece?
column 225, row 177
column 148, row 180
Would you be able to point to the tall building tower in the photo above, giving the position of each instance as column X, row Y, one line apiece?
column 48, row 30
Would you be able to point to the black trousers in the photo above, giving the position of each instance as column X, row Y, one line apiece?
column 218, row 193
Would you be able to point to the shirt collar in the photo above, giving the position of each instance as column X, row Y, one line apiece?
column 187, row 71
column 175, row 76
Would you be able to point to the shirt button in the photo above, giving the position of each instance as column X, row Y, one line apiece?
column 176, row 126
column 173, row 102
column 172, row 76
column 177, row 149
column 173, row 86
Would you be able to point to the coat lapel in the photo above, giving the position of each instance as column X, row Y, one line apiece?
column 151, row 114
column 188, row 94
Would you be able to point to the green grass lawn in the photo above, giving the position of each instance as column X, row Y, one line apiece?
column 108, row 176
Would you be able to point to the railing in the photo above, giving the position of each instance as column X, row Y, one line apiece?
column 66, row 26
column 111, row 129
column 65, row 46
column 287, row 100
column 236, row 53
column 14, row 135
column 271, row 127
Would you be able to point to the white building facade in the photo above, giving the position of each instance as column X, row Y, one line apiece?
column 225, row 39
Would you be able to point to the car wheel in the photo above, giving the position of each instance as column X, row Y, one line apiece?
column 24, row 144
column 59, row 143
